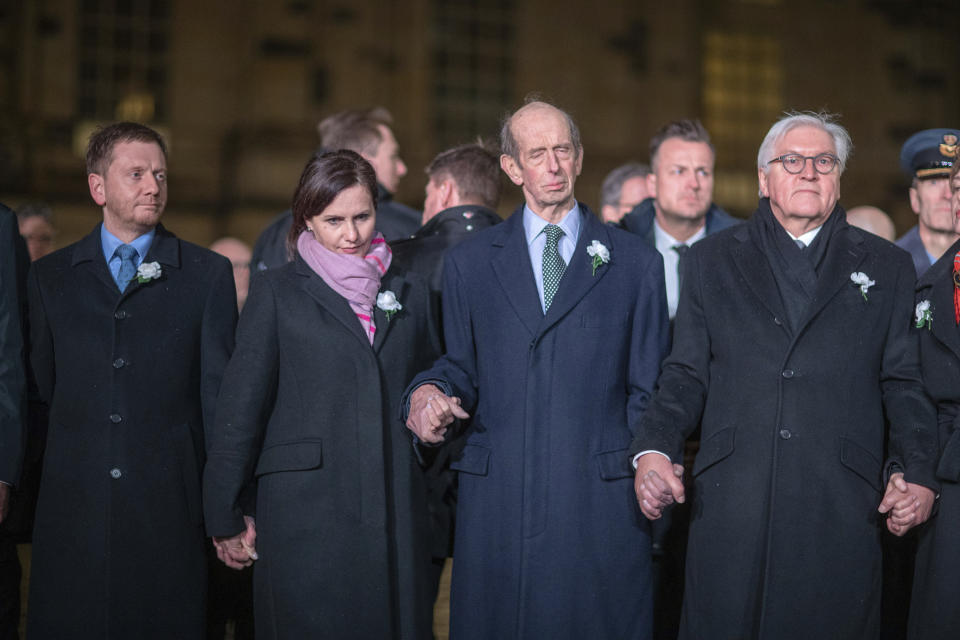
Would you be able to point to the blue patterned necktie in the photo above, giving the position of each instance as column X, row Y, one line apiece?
column 128, row 265
column 553, row 264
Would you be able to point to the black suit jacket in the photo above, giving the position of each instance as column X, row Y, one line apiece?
column 131, row 379
column 791, row 463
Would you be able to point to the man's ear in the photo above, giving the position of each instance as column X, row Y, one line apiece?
column 651, row 185
column 449, row 194
column 914, row 200
column 762, row 177
column 95, row 182
column 512, row 169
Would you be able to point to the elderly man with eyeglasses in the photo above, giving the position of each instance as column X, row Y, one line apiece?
column 792, row 344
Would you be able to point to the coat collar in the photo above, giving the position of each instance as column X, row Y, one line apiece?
column 844, row 254
column 512, row 267
column 339, row 308
column 936, row 285
column 460, row 219
column 89, row 251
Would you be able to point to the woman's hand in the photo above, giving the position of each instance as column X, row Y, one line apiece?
column 431, row 412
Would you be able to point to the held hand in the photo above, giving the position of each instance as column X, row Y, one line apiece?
column 657, row 484
column 238, row 551
column 4, row 500
column 431, row 412
column 906, row 504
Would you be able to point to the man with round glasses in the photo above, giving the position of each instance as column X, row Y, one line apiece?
column 792, row 342
column 927, row 158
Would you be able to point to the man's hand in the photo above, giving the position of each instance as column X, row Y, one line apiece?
column 238, row 551
column 906, row 504
column 431, row 412
column 4, row 500
column 658, row 484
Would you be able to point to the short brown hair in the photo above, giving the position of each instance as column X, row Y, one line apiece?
column 475, row 170
column 355, row 129
column 686, row 130
column 104, row 139
column 326, row 175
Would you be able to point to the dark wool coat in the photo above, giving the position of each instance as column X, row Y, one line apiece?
column 309, row 409
column 550, row 541
column 13, row 383
column 934, row 611
column 132, row 380
column 785, row 534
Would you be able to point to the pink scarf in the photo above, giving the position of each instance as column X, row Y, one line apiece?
column 356, row 279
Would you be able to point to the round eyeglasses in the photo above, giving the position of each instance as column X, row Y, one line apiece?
column 794, row 163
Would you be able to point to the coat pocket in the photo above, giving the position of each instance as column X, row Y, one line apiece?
column 714, row 449
column 615, row 465
column 190, row 466
column 949, row 466
column 861, row 462
column 474, row 459
column 301, row 455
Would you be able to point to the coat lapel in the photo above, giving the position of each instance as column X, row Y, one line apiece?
column 755, row 270
column 399, row 286
column 844, row 255
column 331, row 301
column 578, row 278
column 88, row 254
column 511, row 265
column 937, row 286
column 165, row 249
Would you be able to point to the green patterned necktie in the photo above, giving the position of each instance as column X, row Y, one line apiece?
column 553, row 264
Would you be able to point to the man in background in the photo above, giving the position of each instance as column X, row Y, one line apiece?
column 927, row 158
column 680, row 211
column 36, row 226
column 873, row 220
column 239, row 255
column 623, row 189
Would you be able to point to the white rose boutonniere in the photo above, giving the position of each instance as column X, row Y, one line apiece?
column 148, row 271
column 600, row 254
column 863, row 281
column 388, row 303
column 924, row 315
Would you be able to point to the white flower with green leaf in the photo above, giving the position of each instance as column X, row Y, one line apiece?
column 600, row 254
column 148, row 271
column 388, row 303
column 863, row 281
column 924, row 315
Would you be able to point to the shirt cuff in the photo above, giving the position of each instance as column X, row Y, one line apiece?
column 643, row 453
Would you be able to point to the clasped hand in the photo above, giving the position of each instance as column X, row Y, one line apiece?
column 238, row 551
column 906, row 504
column 431, row 412
column 658, row 484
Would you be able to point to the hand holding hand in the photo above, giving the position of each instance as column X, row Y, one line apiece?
column 431, row 412
column 906, row 504
column 658, row 483
column 238, row 551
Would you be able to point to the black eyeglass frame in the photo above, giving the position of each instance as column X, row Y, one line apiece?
column 803, row 166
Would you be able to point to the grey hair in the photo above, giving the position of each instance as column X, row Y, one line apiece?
column 613, row 183
column 508, row 144
column 792, row 120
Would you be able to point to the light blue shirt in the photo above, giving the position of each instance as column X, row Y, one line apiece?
column 533, row 226
column 110, row 242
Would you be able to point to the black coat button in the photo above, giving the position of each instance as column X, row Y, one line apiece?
column 115, row 473
column 787, row 373
column 777, row 321
column 785, row 434
column 119, row 362
column 115, row 418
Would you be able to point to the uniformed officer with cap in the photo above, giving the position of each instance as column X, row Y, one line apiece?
column 927, row 158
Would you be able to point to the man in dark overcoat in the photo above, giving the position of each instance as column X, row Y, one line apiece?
column 13, row 270
column 555, row 325
column 792, row 343
column 130, row 331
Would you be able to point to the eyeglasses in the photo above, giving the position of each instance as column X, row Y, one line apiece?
column 794, row 163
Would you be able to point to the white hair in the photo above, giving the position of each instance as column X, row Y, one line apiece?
column 790, row 121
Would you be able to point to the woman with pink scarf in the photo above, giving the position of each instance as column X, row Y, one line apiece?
column 311, row 476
